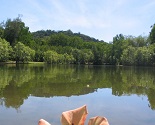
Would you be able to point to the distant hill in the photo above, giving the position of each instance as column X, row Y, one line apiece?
column 45, row 33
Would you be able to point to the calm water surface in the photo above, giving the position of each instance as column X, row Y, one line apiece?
column 125, row 95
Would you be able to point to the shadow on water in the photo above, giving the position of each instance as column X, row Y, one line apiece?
column 18, row 82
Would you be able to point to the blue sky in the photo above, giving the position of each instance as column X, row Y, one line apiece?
column 101, row 19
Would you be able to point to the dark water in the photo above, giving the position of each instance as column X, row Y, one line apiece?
column 124, row 95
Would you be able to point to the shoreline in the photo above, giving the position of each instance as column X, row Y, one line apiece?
column 14, row 62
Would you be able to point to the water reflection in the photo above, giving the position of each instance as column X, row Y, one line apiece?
column 18, row 82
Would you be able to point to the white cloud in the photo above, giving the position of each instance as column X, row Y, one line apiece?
column 102, row 19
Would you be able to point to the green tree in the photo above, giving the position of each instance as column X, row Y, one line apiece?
column 77, row 54
column 141, row 41
column 15, row 30
column 1, row 30
column 152, row 54
column 59, row 39
column 152, row 34
column 87, row 56
column 23, row 53
column 5, row 50
column 143, row 56
column 128, row 56
column 51, row 56
column 99, row 53
column 108, row 53
column 68, row 58
column 117, row 48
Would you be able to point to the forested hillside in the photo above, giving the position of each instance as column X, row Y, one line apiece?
column 18, row 44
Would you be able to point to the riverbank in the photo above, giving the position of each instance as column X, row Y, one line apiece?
column 14, row 62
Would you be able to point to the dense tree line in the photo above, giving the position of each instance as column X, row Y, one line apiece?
column 18, row 44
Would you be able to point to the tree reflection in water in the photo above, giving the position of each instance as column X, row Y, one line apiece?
column 18, row 82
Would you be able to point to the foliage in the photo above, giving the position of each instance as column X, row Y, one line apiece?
column 22, row 53
column 128, row 56
column 51, row 56
column 77, row 54
column 15, row 30
column 67, row 59
column 5, row 50
column 117, row 48
column 141, row 57
column 87, row 56
column 1, row 31
column 152, row 34
column 68, row 47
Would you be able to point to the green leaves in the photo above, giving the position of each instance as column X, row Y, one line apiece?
column 19, row 53
column 68, row 47
column 53, row 57
column 23, row 53
column 5, row 50
column 15, row 30
column 128, row 57
column 152, row 34
column 138, row 56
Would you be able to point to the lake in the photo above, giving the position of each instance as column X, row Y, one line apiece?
column 124, row 95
